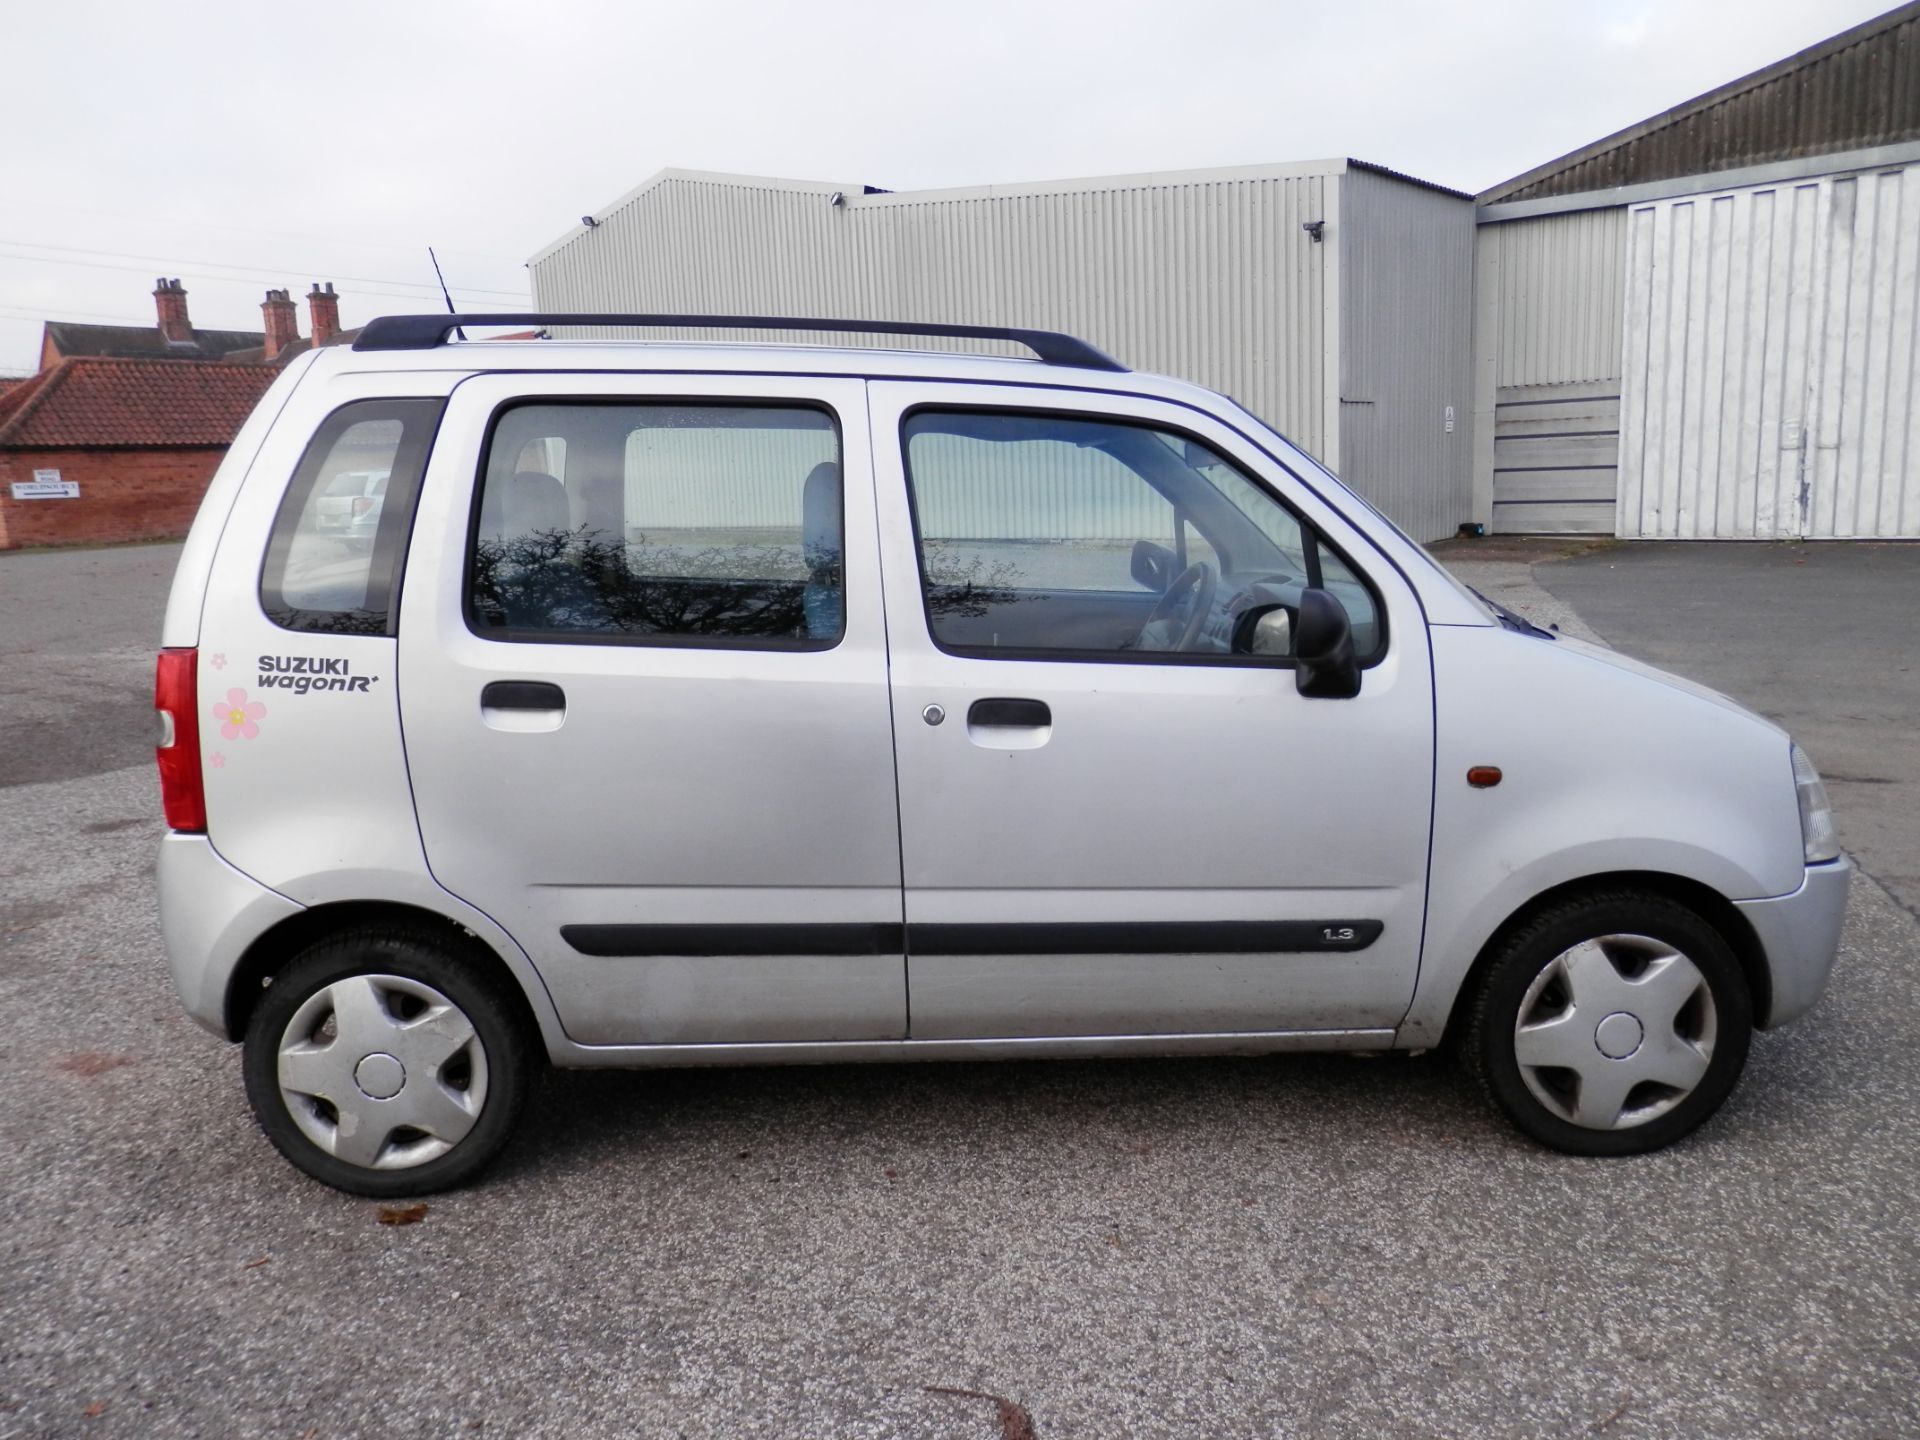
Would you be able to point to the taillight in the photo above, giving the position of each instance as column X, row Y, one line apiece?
column 362, row 504
column 175, row 697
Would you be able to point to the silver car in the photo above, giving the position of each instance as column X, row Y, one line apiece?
column 750, row 704
column 349, row 505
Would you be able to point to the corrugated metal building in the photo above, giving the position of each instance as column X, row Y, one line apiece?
column 1332, row 298
column 1702, row 326
column 1705, row 326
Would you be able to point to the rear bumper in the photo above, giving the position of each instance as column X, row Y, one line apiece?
column 209, row 914
column 1800, row 935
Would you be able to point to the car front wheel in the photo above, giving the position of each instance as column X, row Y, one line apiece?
column 1611, row 1024
column 382, row 1065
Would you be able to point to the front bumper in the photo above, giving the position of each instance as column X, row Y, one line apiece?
column 209, row 914
column 1800, row 935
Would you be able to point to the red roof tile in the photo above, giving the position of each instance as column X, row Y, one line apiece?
column 90, row 401
column 18, row 393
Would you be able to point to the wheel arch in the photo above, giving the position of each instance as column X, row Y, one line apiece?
column 275, row 947
column 1706, row 902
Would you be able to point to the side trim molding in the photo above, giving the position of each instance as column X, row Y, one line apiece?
column 630, row 941
column 1172, row 937
column 1156, row 937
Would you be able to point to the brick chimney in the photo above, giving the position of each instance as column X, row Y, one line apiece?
column 323, row 308
column 282, row 321
column 170, row 299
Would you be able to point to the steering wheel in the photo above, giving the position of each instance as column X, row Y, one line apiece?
column 1190, row 598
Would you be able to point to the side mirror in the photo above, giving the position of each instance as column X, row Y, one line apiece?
column 1323, row 649
column 1152, row 566
column 1264, row 630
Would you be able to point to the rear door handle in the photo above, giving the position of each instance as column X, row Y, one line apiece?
column 1026, row 714
column 522, row 707
column 522, row 695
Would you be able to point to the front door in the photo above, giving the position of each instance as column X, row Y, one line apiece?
column 1111, row 823
column 643, row 686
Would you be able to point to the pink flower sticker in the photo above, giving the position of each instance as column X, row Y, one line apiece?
column 219, row 662
column 219, row 761
column 237, row 716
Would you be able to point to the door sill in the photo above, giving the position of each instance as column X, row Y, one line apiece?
column 1022, row 1047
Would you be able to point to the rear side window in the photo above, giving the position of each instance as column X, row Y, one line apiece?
column 660, row 524
column 333, row 559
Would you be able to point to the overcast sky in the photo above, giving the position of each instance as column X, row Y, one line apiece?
column 245, row 145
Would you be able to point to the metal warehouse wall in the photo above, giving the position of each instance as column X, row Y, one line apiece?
column 1406, row 327
column 1549, row 291
column 1212, row 280
column 1208, row 275
column 1553, row 296
column 1772, row 377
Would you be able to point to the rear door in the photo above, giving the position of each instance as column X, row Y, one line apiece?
column 1111, row 824
column 644, row 691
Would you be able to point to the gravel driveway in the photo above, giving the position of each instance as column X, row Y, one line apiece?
column 1293, row 1246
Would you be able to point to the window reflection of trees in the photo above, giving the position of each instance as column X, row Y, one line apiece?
column 585, row 580
column 967, row 587
column 329, row 622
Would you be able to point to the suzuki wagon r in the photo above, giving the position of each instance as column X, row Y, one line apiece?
column 725, row 704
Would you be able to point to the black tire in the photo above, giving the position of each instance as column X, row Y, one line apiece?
column 1489, row 1044
column 497, row 1024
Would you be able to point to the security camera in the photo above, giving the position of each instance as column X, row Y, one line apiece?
column 836, row 199
column 1313, row 229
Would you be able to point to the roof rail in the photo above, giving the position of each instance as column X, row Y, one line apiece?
column 426, row 332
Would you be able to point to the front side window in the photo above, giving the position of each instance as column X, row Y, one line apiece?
column 660, row 523
column 1064, row 536
column 335, row 549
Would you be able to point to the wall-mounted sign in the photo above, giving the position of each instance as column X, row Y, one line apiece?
column 46, row 485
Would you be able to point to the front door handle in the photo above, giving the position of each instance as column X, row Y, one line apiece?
column 1025, row 714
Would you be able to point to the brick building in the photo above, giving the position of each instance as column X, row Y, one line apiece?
column 103, row 449
column 281, row 340
column 173, row 338
column 117, row 436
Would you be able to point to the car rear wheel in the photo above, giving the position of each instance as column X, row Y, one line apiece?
column 382, row 1065
column 1612, row 1024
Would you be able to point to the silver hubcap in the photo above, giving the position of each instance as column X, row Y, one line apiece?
column 382, row 1071
column 1615, row 1032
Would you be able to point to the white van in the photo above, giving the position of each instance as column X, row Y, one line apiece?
column 742, row 704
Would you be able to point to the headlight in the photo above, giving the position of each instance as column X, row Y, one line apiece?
column 1817, row 834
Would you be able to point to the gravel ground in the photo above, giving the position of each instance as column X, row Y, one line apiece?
column 1295, row 1246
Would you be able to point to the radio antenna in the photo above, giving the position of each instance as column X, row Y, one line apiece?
column 443, row 289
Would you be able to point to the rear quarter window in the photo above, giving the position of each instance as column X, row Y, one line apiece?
column 333, row 558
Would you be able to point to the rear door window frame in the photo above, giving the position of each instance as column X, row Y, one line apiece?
column 520, row 636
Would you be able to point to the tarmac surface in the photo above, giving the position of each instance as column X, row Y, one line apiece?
column 1822, row 638
column 1296, row 1246
column 78, row 629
